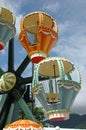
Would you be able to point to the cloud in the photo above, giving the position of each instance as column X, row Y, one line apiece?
column 14, row 7
column 17, row 25
column 3, row 52
column 51, row 6
column 62, row 27
column 72, row 38
column 79, row 105
column 11, row 5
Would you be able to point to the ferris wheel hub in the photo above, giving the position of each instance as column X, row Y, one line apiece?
column 7, row 81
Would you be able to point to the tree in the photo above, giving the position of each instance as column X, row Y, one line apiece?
column 37, row 112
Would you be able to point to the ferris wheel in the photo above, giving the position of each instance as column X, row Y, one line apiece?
column 12, row 84
column 39, row 34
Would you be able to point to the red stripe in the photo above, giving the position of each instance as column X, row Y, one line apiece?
column 51, row 44
column 58, row 119
column 42, row 41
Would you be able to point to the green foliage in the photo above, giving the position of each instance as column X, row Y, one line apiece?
column 82, row 125
column 37, row 112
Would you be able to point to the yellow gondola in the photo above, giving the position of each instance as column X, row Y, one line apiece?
column 7, row 26
column 38, row 35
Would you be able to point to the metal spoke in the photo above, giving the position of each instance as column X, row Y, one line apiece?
column 23, row 105
column 4, row 112
column 22, row 66
column 11, row 55
column 1, row 72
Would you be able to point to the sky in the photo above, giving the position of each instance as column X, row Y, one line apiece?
column 70, row 16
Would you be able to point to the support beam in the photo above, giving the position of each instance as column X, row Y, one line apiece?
column 13, row 113
column 1, row 72
column 4, row 112
column 23, row 105
column 11, row 55
column 22, row 66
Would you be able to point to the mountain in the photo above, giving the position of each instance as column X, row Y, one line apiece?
column 75, row 121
